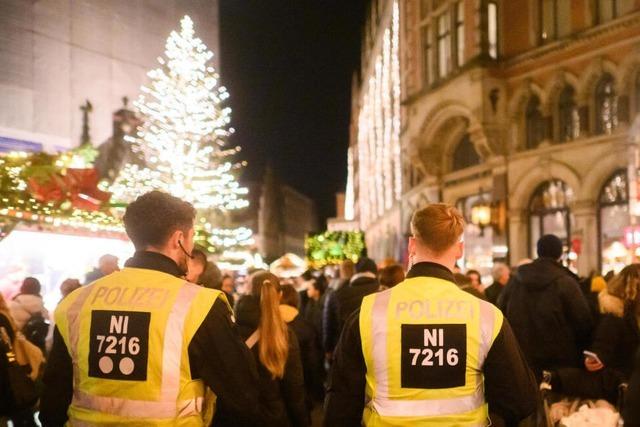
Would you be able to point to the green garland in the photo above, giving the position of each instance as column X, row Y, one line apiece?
column 333, row 247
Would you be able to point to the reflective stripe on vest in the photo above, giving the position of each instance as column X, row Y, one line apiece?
column 168, row 405
column 382, row 402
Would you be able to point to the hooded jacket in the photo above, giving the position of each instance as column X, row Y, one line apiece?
column 284, row 398
column 24, row 306
column 548, row 313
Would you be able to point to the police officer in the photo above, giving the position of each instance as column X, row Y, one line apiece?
column 426, row 353
column 139, row 346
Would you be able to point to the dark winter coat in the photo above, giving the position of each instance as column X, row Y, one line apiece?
column 492, row 293
column 548, row 313
column 617, row 336
column 631, row 411
column 310, row 353
column 283, row 398
column 341, row 303
column 615, row 341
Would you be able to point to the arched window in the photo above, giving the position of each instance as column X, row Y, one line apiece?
column 549, row 213
column 568, row 115
column 465, row 154
column 606, row 105
column 613, row 218
column 534, row 123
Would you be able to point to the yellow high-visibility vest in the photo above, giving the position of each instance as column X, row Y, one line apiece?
column 128, row 336
column 424, row 343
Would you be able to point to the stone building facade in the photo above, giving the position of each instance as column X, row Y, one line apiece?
column 280, row 216
column 527, row 107
column 56, row 54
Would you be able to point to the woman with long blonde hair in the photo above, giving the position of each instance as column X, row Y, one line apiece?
column 276, row 350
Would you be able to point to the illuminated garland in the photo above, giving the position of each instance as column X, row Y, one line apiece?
column 333, row 247
column 37, row 188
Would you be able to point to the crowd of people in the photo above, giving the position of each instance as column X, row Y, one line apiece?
column 269, row 348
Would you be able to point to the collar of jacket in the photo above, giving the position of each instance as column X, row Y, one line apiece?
column 366, row 274
column 154, row 261
column 431, row 269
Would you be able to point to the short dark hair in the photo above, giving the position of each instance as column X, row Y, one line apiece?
column 289, row 296
column 320, row 283
column 30, row 286
column 199, row 256
column 154, row 216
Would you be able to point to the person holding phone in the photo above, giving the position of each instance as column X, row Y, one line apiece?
column 609, row 360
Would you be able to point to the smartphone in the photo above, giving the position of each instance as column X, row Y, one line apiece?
column 593, row 356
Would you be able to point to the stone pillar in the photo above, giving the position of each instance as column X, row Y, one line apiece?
column 585, row 228
column 518, row 236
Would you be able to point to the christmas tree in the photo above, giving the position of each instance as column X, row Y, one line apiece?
column 183, row 140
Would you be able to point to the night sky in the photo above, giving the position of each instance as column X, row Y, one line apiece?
column 288, row 65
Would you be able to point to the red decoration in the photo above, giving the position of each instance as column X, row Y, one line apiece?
column 78, row 186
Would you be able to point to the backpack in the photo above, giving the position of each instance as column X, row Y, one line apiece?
column 36, row 330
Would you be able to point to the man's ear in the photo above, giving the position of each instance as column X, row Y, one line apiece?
column 411, row 246
column 176, row 238
column 459, row 250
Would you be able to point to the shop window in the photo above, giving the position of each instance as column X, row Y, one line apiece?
column 613, row 218
column 459, row 12
column 568, row 115
column 465, row 154
column 444, row 44
column 612, row 9
column 534, row 123
column 492, row 30
column 606, row 105
column 549, row 213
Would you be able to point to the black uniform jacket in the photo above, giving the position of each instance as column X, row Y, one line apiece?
column 217, row 355
column 510, row 387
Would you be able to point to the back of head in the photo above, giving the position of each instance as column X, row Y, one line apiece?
column 108, row 262
column 320, row 283
column 68, row 286
column 347, row 269
column 366, row 265
column 462, row 280
column 549, row 246
column 437, row 227
column 199, row 257
column 274, row 339
column 153, row 217
column 499, row 270
column 289, row 296
column 30, row 286
column 626, row 285
column 391, row 275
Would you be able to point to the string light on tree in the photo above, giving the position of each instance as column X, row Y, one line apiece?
column 183, row 138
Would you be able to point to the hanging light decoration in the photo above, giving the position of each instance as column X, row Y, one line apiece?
column 481, row 213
